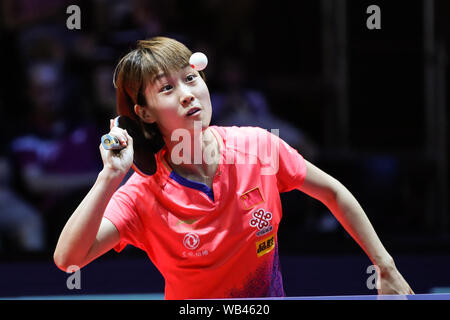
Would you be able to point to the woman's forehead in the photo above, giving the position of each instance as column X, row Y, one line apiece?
column 161, row 75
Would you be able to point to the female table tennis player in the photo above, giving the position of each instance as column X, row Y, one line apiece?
column 210, row 227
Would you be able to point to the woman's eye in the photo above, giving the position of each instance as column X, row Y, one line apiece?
column 190, row 78
column 167, row 87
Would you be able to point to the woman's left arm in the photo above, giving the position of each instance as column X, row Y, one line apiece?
column 352, row 217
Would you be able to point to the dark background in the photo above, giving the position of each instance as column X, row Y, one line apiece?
column 370, row 106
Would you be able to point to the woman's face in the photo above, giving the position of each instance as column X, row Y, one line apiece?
column 177, row 100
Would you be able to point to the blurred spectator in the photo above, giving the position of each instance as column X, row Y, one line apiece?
column 147, row 16
column 23, row 13
column 21, row 226
column 58, row 157
column 105, row 95
column 120, row 23
column 238, row 105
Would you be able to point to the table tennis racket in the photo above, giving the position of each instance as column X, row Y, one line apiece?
column 144, row 162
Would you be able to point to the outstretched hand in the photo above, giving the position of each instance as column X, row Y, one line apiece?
column 392, row 282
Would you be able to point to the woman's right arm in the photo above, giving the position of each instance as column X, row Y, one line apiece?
column 87, row 235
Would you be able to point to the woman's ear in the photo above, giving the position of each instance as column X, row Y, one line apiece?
column 144, row 113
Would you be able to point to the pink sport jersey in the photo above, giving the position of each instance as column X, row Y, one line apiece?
column 219, row 242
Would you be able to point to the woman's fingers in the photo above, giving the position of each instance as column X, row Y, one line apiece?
column 121, row 135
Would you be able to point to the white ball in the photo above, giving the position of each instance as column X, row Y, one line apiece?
column 198, row 61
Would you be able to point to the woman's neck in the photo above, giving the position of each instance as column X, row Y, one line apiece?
column 195, row 156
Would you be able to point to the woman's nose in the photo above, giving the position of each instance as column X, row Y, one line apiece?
column 187, row 98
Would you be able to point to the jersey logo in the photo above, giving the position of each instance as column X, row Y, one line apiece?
column 261, row 219
column 265, row 246
column 191, row 241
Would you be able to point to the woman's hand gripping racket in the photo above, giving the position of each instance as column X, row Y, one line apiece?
column 143, row 150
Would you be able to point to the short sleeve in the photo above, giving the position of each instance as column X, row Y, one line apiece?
column 277, row 158
column 121, row 211
column 291, row 166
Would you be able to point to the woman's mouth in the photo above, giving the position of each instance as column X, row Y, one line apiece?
column 193, row 111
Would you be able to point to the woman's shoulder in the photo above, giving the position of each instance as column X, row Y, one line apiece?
column 249, row 140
